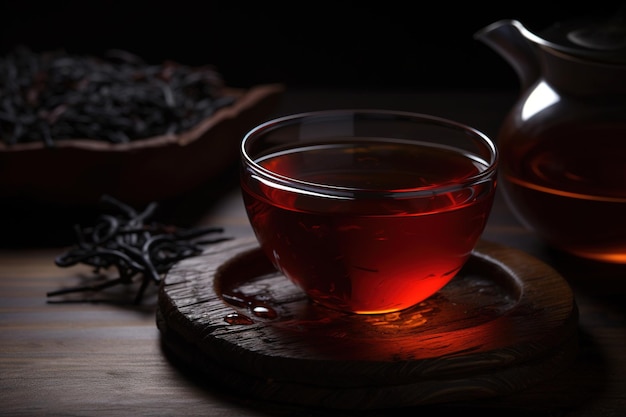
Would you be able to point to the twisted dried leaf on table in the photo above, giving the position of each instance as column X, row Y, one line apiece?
column 137, row 249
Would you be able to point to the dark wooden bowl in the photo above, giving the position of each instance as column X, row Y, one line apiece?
column 79, row 171
column 39, row 184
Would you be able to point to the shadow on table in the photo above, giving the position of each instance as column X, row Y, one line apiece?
column 33, row 224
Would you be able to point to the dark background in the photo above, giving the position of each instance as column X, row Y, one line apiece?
column 304, row 44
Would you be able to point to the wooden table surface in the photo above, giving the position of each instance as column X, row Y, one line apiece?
column 106, row 358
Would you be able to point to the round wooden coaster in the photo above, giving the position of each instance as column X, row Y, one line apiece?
column 504, row 323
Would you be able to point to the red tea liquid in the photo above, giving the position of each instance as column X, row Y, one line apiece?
column 569, row 185
column 369, row 253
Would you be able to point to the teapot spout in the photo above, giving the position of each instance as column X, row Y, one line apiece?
column 513, row 42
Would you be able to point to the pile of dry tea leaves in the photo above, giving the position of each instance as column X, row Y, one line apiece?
column 139, row 250
column 118, row 98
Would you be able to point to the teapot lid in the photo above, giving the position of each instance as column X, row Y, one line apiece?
column 598, row 39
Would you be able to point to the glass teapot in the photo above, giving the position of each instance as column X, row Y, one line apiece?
column 563, row 144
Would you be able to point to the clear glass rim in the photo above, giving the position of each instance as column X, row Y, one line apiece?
column 326, row 190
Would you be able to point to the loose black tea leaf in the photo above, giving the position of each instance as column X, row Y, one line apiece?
column 137, row 249
column 118, row 98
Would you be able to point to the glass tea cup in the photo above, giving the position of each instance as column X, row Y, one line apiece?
column 367, row 211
